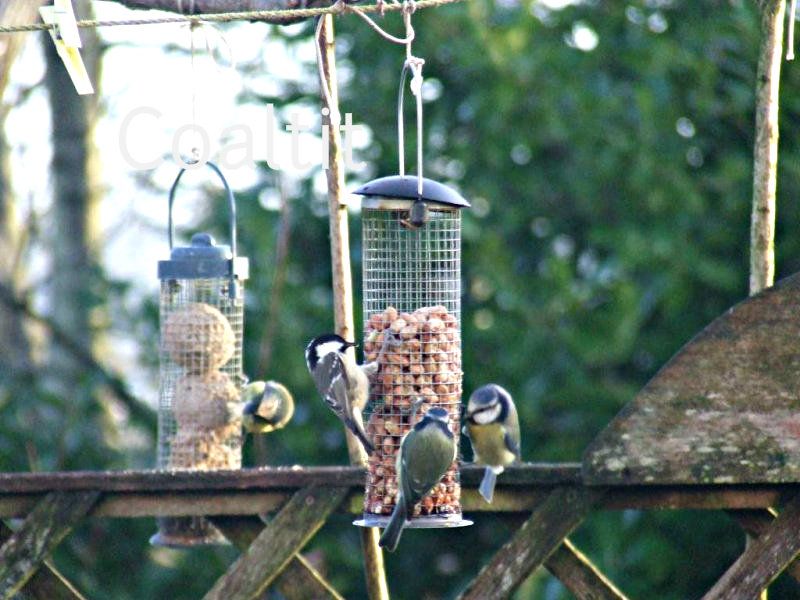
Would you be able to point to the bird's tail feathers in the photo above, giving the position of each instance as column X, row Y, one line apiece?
column 391, row 535
column 486, row 488
column 357, row 427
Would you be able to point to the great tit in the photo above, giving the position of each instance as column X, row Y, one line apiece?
column 493, row 430
column 426, row 452
column 267, row 406
column 343, row 384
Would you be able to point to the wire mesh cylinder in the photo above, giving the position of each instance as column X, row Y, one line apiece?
column 199, row 425
column 412, row 312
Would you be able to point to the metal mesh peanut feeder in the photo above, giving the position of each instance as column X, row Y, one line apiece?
column 199, row 417
column 412, row 312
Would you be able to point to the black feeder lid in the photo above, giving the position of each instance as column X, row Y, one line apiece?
column 405, row 188
column 203, row 259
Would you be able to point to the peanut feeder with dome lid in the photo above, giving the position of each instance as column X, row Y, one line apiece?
column 412, row 314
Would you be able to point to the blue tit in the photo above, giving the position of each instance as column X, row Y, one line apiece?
column 493, row 430
column 267, row 406
column 342, row 383
column 426, row 452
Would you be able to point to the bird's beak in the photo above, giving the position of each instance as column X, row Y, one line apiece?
column 351, row 344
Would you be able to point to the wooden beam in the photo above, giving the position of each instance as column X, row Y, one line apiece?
column 298, row 581
column 756, row 522
column 129, row 494
column 275, row 546
column 47, row 583
column 533, row 543
column 763, row 559
column 579, row 575
column 44, row 528
column 261, row 478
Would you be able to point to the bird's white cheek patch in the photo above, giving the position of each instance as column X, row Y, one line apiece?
column 327, row 348
column 488, row 416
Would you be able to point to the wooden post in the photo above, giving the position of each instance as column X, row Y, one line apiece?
column 580, row 576
column 765, row 152
column 299, row 580
column 763, row 559
column 23, row 553
column 280, row 540
column 755, row 523
column 47, row 583
column 537, row 539
column 377, row 588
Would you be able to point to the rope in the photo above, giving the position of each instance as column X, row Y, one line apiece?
column 252, row 15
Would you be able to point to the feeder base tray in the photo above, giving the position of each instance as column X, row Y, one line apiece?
column 424, row 522
column 187, row 532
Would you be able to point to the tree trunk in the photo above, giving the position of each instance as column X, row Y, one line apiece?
column 14, row 350
column 76, row 285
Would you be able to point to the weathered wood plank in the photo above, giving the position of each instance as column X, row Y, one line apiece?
column 533, row 543
column 763, row 559
column 579, row 575
column 298, row 581
column 262, row 478
column 508, row 499
column 274, row 547
column 44, row 528
column 724, row 409
column 47, row 583
column 755, row 523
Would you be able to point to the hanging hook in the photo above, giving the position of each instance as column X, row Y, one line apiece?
column 418, row 214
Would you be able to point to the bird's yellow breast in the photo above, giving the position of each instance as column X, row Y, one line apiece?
column 488, row 443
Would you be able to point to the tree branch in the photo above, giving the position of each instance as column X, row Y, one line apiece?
column 220, row 6
column 138, row 410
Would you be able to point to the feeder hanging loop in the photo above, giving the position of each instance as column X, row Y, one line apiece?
column 413, row 64
column 232, row 215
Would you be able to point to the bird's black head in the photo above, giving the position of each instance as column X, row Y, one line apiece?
column 323, row 345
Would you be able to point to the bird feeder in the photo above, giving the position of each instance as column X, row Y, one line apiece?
column 412, row 312
column 201, row 314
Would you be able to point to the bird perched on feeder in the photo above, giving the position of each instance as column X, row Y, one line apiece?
column 268, row 406
column 343, row 384
column 493, row 430
column 426, row 452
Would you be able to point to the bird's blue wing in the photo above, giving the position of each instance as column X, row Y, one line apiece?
column 512, row 445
